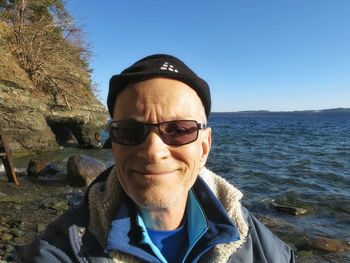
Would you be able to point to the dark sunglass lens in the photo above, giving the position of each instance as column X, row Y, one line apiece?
column 179, row 132
column 128, row 133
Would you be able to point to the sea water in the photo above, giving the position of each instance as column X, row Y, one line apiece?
column 297, row 159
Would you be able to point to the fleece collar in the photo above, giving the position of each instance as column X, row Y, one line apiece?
column 210, row 189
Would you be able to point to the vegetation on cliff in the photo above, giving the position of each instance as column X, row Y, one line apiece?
column 44, row 41
column 46, row 94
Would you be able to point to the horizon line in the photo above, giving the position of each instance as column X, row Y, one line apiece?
column 284, row 111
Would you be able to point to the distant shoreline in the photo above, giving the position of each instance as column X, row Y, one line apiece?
column 333, row 110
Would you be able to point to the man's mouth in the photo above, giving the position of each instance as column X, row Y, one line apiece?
column 153, row 173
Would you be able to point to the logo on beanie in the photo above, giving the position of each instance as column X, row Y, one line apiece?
column 168, row 67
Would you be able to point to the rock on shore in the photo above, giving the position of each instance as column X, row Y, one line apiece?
column 82, row 170
column 34, row 121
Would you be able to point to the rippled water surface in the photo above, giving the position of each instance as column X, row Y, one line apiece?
column 297, row 159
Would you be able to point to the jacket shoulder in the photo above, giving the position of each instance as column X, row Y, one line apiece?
column 262, row 245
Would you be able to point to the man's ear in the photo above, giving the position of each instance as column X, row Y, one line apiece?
column 206, row 146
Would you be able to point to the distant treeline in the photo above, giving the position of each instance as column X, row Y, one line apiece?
column 42, row 37
column 266, row 112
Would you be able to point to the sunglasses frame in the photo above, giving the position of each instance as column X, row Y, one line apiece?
column 148, row 127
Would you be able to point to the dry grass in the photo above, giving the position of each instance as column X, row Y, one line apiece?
column 10, row 72
column 13, row 76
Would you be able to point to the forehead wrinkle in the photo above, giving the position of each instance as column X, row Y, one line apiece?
column 159, row 112
column 149, row 111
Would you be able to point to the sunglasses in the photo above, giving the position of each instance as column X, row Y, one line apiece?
column 174, row 133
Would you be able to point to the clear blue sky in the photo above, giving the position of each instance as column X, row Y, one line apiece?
column 255, row 54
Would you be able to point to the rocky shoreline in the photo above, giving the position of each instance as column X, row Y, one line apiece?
column 26, row 210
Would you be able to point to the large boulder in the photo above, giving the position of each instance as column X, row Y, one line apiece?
column 82, row 170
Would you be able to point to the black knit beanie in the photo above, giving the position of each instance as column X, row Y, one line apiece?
column 159, row 65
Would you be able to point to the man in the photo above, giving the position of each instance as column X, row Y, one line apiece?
column 159, row 203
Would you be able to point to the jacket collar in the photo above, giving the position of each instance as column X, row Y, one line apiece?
column 210, row 189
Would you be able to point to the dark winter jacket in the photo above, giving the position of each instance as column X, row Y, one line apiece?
column 80, row 235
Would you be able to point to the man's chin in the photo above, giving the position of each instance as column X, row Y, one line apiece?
column 156, row 202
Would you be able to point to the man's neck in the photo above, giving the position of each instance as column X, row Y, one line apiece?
column 168, row 218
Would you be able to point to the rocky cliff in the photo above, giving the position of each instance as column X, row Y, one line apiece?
column 35, row 121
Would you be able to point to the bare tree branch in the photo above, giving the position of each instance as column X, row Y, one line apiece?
column 47, row 45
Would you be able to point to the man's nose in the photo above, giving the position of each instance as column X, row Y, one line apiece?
column 153, row 148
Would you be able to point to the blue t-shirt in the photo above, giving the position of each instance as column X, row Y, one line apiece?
column 172, row 244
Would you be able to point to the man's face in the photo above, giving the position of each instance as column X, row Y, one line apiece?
column 154, row 174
